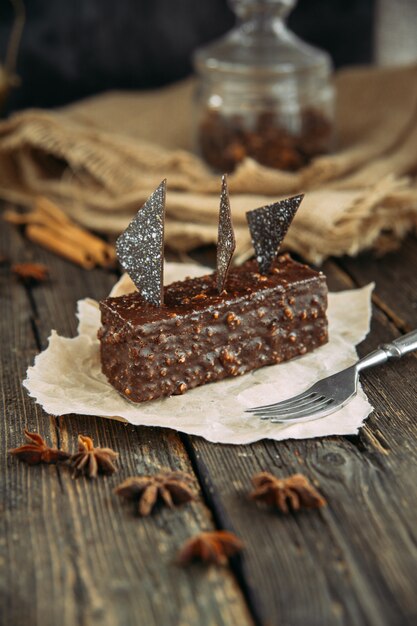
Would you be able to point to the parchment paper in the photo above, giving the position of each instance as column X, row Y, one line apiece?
column 66, row 378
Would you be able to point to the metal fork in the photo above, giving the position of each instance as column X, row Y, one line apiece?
column 332, row 393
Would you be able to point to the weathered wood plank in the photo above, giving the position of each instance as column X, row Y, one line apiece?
column 73, row 552
column 354, row 562
column 26, row 556
column 395, row 275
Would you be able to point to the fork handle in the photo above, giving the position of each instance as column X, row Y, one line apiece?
column 395, row 349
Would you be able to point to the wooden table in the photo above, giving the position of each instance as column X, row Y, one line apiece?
column 72, row 553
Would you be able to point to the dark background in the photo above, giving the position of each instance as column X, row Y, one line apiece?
column 74, row 48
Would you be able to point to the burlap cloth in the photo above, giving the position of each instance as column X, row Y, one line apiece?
column 101, row 158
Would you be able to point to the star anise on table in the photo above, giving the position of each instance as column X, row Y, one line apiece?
column 36, row 451
column 89, row 461
column 30, row 272
column 210, row 547
column 170, row 488
column 292, row 493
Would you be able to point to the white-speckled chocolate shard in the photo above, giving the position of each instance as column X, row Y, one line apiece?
column 140, row 249
column 268, row 226
column 226, row 242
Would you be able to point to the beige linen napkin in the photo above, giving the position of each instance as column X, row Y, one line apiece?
column 101, row 158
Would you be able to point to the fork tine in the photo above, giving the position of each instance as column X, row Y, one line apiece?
column 304, row 411
column 289, row 401
column 311, row 399
column 324, row 397
column 332, row 407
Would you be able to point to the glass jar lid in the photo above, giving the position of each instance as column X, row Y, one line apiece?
column 261, row 46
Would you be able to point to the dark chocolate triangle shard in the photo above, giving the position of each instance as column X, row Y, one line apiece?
column 140, row 249
column 268, row 226
column 226, row 242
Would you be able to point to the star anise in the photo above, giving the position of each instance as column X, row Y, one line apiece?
column 171, row 488
column 210, row 547
column 295, row 492
column 31, row 272
column 36, row 451
column 90, row 460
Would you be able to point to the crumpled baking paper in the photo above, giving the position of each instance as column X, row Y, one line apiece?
column 66, row 378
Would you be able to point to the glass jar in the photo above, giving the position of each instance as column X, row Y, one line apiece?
column 263, row 93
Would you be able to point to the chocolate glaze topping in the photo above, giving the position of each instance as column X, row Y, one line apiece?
column 200, row 336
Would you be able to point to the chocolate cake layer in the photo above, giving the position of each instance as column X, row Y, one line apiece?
column 201, row 336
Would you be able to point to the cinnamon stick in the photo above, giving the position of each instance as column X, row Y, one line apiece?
column 50, row 227
column 13, row 217
column 102, row 252
column 48, row 238
column 48, row 208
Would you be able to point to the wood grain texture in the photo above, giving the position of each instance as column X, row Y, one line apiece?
column 354, row 562
column 395, row 276
column 71, row 551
